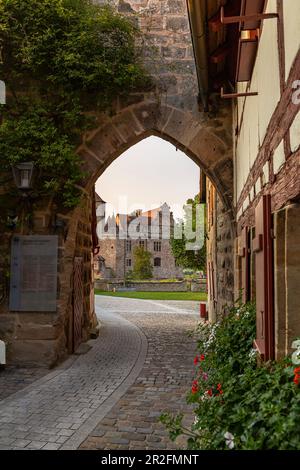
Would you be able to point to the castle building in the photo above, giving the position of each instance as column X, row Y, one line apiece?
column 119, row 236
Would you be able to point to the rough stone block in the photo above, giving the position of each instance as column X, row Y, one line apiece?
column 147, row 115
column 208, row 146
column 177, row 23
column 31, row 331
column 34, row 352
column 173, row 7
column 7, row 325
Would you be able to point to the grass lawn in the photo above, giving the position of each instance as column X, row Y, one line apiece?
column 198, row 296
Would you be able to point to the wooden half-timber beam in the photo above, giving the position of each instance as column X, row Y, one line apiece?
column 246, row 19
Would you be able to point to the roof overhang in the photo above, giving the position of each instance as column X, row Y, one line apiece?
column 225, row 48
column 197, row 13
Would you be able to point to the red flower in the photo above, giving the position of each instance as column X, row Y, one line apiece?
column 210, row 392
column 195, row 388
column 202, row 357
column 219, row 387
column 297, row 375
column 196, row 360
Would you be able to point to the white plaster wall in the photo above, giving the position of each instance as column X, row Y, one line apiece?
column 291, row 14
column 278, row 158
column 258, row 109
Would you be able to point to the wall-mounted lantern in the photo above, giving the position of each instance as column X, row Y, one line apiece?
column 23, row 175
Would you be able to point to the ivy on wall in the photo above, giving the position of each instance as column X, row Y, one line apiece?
column 60, row 59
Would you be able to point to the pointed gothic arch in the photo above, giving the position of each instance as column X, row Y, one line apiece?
column 206, row 141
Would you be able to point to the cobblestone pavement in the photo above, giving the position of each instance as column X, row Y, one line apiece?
column 110, row 397
column 133, row 423
column 59, row 410
column 13, row 379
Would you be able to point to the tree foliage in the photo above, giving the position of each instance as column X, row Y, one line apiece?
column 190, row 259
column 59, row 60
column 142, row 264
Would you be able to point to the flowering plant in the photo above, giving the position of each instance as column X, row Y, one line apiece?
column 239, row 403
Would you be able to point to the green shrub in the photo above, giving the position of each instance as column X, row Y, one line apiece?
column 61, row 59
column 238, row 403
column 142, row 264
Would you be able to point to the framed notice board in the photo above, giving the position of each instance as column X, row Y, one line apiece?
column 33, row 282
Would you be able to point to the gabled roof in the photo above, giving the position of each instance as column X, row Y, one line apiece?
column 98, row 199
column 153, row 213
column 143, row 217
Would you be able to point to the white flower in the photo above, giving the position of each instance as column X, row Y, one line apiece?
column 296, row 354
column 229, row 440
column 252, row 353
column 204, row 396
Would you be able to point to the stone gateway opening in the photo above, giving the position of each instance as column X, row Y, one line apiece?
column 104, row 145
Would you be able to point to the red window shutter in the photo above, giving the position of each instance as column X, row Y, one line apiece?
column 263, row 248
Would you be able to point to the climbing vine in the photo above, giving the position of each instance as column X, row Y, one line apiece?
column 61, row 59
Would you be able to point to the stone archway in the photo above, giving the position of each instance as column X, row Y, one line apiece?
column 206, row 140
column 170, row 112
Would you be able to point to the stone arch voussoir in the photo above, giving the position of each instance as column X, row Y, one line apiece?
column 206, row 140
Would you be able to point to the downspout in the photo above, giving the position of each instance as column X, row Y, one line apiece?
column 197, row 19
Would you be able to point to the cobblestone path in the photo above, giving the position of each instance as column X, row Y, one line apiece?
column 13, row 379
column 110, row 397
column 133, row 423
column 59, row 410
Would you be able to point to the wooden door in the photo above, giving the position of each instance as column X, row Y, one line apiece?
column 264, row 273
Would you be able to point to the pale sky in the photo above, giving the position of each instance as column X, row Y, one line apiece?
column 147, row 175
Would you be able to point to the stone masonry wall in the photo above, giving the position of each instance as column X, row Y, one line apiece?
column 167, row 51
column 115, row 255
column 152, row 286
column 45, row 338
column 224, row 257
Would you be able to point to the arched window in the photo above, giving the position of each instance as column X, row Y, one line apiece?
column 157, row 246
column 157, row 262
